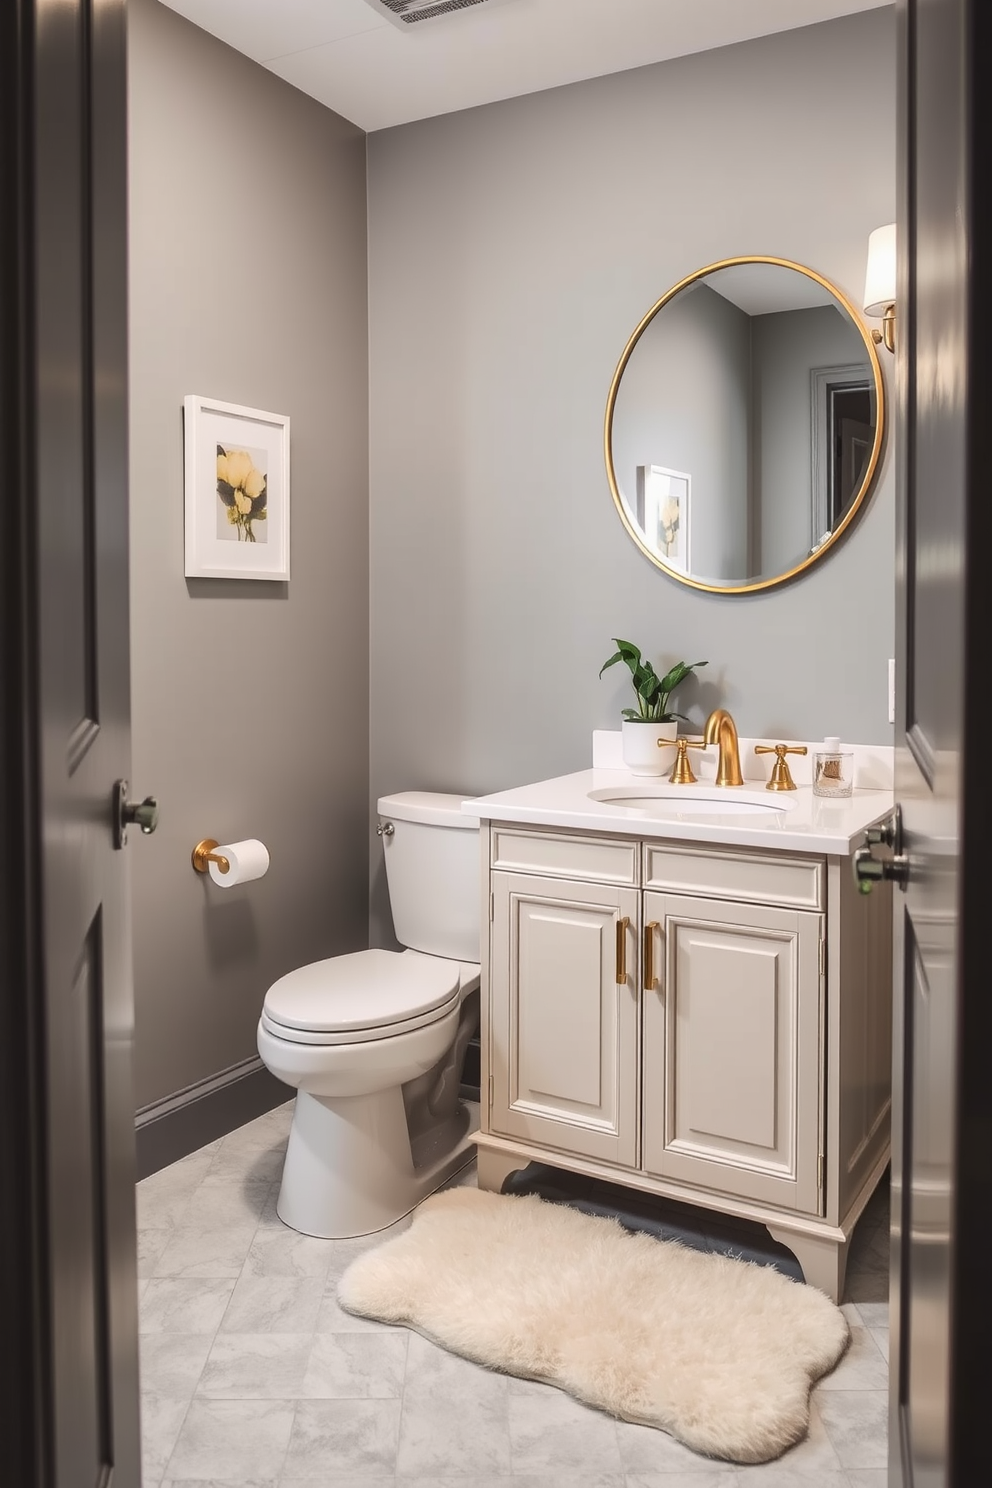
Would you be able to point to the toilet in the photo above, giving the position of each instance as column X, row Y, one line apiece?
column 374, row 1042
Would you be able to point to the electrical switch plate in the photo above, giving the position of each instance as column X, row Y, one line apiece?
column 892, row 689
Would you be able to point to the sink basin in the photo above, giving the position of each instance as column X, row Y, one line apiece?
column 679, row 802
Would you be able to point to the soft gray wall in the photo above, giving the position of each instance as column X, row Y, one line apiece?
column 513, row 248
column 248, row 283
column 688, row 376
column 786, row 348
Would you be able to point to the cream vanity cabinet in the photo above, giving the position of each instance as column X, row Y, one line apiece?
column 708, row 1024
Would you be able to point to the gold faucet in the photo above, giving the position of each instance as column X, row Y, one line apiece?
column 720, row 729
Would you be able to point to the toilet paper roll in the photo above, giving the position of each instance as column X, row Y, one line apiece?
column 248, row 860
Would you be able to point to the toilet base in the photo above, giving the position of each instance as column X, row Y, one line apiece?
column 349, row 1169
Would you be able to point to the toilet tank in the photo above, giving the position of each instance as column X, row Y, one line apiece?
column 433, row 871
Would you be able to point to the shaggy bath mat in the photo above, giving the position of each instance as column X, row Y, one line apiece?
column 719, row 1353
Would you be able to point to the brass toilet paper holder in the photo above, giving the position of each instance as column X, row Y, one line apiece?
column 203, row 855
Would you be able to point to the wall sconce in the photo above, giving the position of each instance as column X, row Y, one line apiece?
column 880, row 283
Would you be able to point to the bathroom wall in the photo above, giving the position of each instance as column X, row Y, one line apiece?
column 248, row 284
column 513, row 248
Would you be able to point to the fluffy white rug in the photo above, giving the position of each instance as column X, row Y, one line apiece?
column 720, row 1353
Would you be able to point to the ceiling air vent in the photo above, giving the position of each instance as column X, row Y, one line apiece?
column 412, row 12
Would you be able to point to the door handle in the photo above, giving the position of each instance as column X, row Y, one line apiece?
column 650, row 979
column 868, row 869
column 143, row 814
column 622, row 924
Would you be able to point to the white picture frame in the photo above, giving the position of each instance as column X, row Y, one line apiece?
column 236, row 528
column 663, row 510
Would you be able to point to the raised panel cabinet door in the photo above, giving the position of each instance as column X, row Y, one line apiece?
column 563, row 1025
column 732, row 1049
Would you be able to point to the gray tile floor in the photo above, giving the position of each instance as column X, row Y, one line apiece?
column 253, row 1377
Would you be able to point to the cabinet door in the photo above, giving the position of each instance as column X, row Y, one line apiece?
column 563, row 1028
column 732, row 1049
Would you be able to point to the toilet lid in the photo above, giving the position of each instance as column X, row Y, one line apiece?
column 363, row 990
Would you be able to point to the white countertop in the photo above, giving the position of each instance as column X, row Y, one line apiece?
column 799, row 822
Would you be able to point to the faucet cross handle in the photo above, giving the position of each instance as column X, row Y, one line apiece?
column 682, row 770
column 781, row 777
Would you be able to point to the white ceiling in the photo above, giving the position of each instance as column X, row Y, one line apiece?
column 351, row 58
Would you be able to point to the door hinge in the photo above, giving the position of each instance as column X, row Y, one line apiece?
column 492, row 1090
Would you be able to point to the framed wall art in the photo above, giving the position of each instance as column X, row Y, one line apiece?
column 237, row 491
column 662, row 509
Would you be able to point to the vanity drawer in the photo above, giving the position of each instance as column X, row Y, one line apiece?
column 751, row 878
column 610, row 860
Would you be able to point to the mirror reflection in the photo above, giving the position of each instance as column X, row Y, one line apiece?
column 744, row 424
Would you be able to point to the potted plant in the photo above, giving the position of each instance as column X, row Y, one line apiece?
column 652, row 724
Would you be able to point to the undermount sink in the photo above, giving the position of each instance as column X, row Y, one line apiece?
column 676, row 802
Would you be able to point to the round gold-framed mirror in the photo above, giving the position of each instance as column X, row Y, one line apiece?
column 744, row 424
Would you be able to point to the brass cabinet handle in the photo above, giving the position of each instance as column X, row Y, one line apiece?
column 622, row 925
column 650, row 980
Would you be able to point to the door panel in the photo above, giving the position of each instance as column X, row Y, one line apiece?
column 564, row 1057
column 942, row 1110
column 66, row 1102
column 732, row 1049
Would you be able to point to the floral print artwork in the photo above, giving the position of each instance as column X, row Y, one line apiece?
column 242, row 486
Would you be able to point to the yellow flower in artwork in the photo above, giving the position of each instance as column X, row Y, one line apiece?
column 243, row 489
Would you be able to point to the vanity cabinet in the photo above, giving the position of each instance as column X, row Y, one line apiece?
column 703, row 1023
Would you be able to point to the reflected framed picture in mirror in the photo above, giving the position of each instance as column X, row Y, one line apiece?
column 746, row 414
column 662, row 498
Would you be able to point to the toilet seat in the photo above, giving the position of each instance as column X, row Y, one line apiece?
column 365, row 995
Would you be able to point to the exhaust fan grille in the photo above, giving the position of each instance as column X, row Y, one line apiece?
column 409, row 12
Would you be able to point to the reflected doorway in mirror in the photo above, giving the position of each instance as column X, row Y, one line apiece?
column 843, row 417
column 662, row 513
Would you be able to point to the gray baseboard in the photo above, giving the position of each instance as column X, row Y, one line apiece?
column 172, row 1128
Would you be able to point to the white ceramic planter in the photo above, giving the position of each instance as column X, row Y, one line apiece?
column 648, row 748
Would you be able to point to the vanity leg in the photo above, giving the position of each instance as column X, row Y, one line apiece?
column 495, row 1167
column 824, row 1262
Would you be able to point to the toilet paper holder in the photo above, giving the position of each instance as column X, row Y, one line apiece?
column 203, row 855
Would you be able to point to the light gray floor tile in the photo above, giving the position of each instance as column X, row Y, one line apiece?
column 221, row 1202
column 643, row 1449
column 868, row 1477
column 357, row 1437
column 274, row 1304
column 554, row 1433
column 332, row 1480
column 162, row 1199
column 161, row 1421
column 151, row 1244
column 262, row 1165
column 284, row 1252
column 526, row 1480
column 874, row 1314
column 777, row 1475
column 180, row 1305
column 356, row 1366
column 232, row 1439
column 171, row 1363
column 193, row 1251
column 220, row 1483
column 813, row 1457
column 862, row 1367
column 881, row 1337
column 707, row 1477
column 332, row 1318
column 857, row 1423
column 454, row 1416
column 256, row 1366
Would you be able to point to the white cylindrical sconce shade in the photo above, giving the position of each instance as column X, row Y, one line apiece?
column 880, row 278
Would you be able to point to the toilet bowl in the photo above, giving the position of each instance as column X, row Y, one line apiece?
column 374, row 1041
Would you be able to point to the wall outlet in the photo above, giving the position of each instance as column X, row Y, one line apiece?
column 892, row 689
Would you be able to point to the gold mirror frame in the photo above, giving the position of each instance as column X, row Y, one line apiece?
column 866, row 483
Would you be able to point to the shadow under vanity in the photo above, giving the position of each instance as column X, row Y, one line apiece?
column 697, row 1007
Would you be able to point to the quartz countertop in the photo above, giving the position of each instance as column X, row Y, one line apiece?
column 798, row 822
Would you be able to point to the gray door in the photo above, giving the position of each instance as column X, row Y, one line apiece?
column 69, row 1411
column 942, row 1155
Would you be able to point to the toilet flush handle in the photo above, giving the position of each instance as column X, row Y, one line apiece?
column 385, row 829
